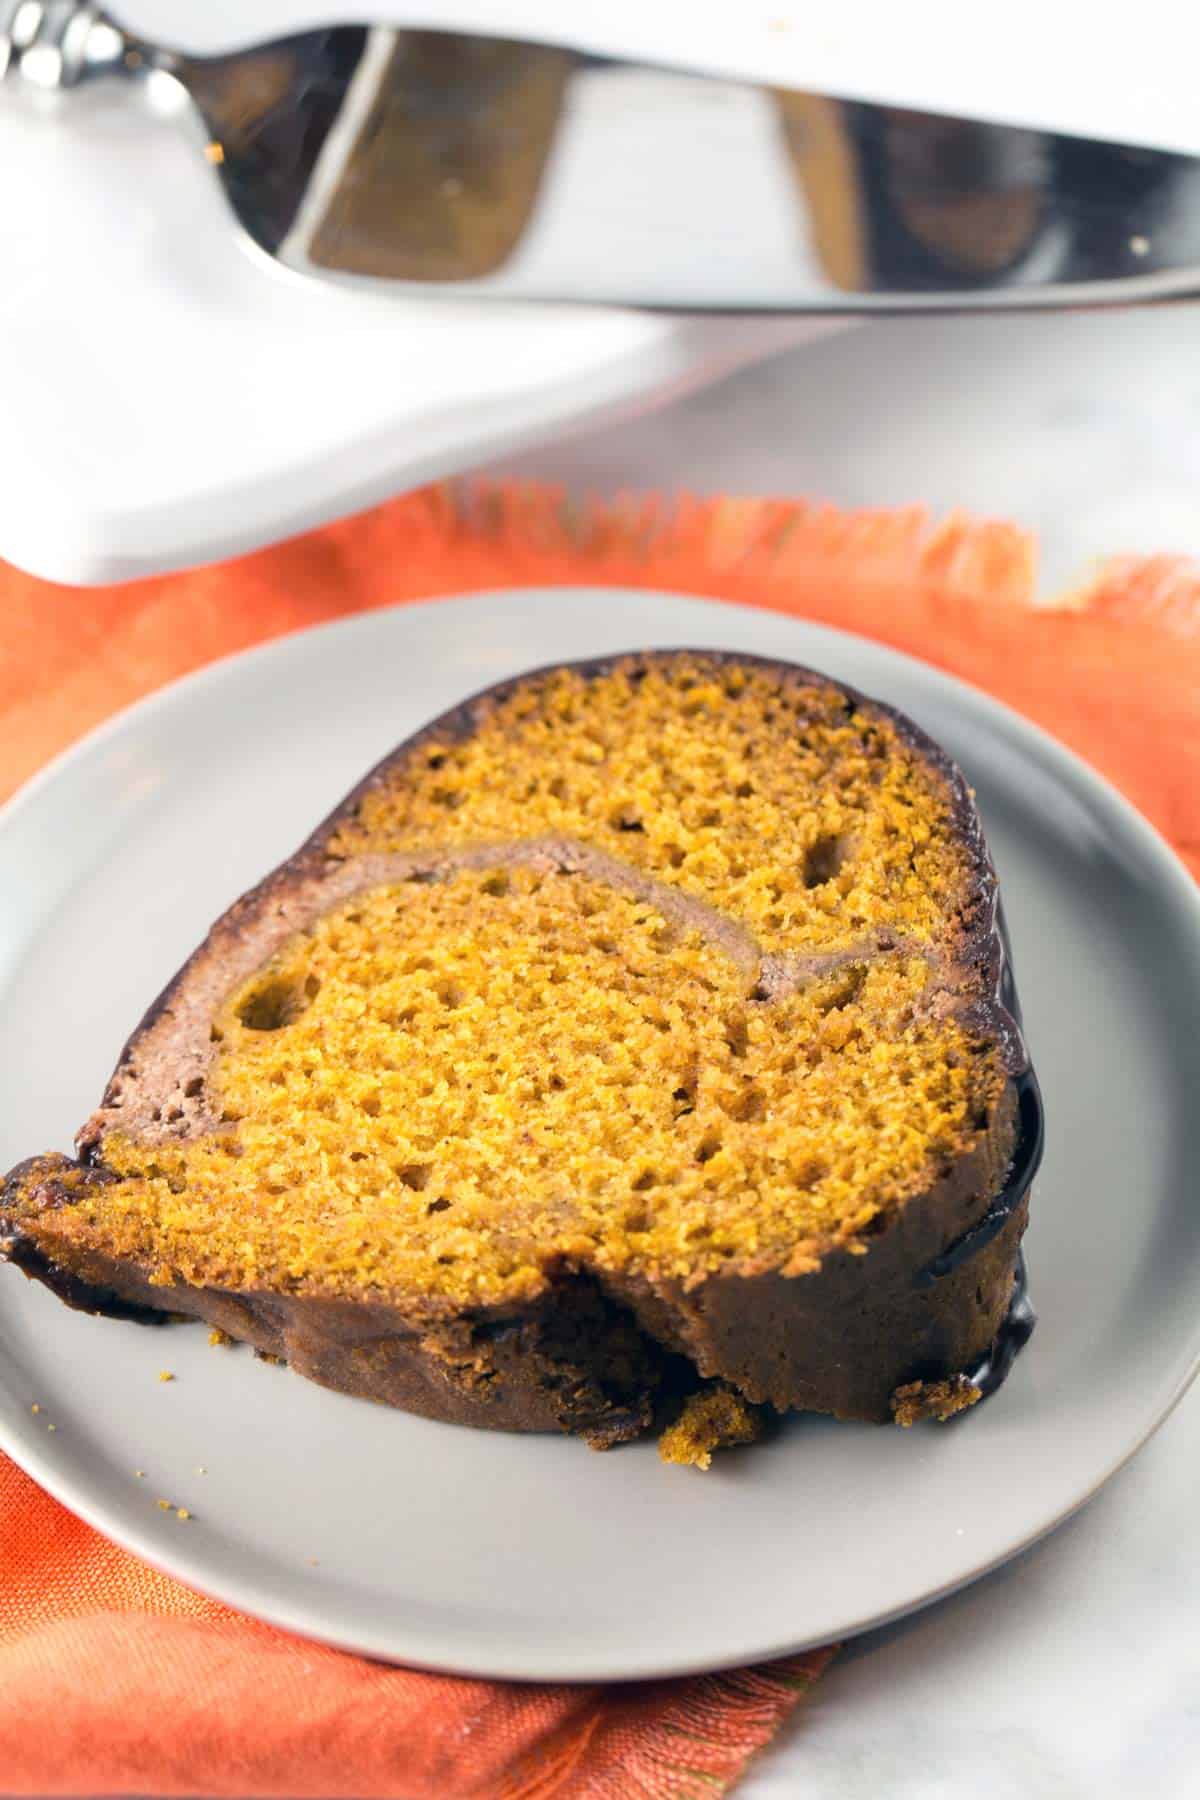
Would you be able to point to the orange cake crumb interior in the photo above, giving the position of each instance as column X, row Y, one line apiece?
column 806, row 818
column 446, row 1085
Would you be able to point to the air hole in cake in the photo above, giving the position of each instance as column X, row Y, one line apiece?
column 825, row 857
column 708, row 1146
column 747, row 1106
column 557, row 788
column 685, row 1101
column 370, row 1104
column 416, row 1176
column 625, row 819
column 646, row 1179
column 810, row 1174
column 847, row 987
column 496, row 885
column 278, row 1001
column 437, row 1206
column 744, row 789
column 194, row 1088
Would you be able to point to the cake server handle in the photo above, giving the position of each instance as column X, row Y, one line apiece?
column 60, row 43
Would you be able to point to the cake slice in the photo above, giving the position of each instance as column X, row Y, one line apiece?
column 638, row 1019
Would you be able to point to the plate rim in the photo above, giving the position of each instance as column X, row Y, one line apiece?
column 300, row 1616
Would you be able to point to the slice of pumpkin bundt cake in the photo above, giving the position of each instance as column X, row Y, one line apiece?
column 637, row 1016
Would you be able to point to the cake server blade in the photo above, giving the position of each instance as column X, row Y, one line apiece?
column 443, row 162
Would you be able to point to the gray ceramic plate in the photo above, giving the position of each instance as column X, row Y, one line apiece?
column 480, row 1552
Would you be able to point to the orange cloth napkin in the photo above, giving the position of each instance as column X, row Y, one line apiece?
column 116, row 1680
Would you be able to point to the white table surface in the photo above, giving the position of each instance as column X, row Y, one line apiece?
column 1073, row 1674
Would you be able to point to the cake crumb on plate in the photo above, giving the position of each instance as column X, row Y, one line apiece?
column 716, row 1418
column 939, row 1400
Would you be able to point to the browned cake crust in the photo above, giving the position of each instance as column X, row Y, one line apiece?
column 927, row 1300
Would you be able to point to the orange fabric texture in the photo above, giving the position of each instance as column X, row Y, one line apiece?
column 116, row 1680
column 1113, row 673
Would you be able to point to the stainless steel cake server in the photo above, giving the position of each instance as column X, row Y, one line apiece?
column 482, row 166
